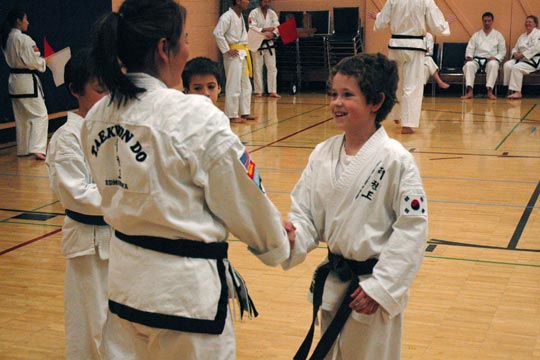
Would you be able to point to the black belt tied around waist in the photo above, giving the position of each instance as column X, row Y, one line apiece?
column 419, row 37
column 86, row 219
column 265, row 45
column 192, row 249
column 23, row 71
column 530, row 62
column 35, row 80
column 347, row 271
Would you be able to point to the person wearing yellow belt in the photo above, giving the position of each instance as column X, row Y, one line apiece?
column 231, row 38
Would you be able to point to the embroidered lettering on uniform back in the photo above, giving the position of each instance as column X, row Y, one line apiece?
column 251, row 170
column 123, row 134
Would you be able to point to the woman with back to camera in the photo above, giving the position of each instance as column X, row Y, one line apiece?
column 25, row 62
column 173, row 177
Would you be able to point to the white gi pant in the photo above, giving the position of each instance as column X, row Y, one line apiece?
column 237, row 87
column 153, row 343
column 261, row 58
column 513, row 73
column 85, row 312
column 411, row 86
column 365, row 337
column 471, row 68
column 31, row 125
column 429, row 68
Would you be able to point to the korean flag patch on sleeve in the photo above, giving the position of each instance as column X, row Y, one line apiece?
column 252, row 171
column 413, row 205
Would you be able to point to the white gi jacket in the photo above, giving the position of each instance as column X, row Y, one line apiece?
column 528, row 45
column 413, row 24
column 168, row 165
column 230, row 29
column 22, row 53
column 258, row 21
column 486, row 46
column 70, row 179
column 376, row 209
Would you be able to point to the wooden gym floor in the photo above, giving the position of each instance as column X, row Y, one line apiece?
column 477, row 295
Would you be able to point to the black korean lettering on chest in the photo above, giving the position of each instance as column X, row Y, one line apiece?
column 123, row 134
column 372, row 183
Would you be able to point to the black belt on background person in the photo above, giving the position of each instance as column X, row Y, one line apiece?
column 191, row 249
column 346, row 270
column 86, row 219
column 265, row 45
column 409, row 37
column 35, row 78
column 482, row 61
column 530, row 62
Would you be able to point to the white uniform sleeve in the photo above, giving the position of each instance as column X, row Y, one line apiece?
column 254, row 21
column 383, row 18
column 238, row 201
column 402, row 256
column 307, row 236
column 535, row 48
column 219, row 33
column 31, row 58
column 275, row 21
column 70, row 177
column 435, row 19
column 501, row 46
column 471, row 46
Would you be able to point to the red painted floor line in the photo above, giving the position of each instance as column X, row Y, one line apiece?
column 29, row 241
column 290, row 135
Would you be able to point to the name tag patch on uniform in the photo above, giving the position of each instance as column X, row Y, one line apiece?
column 413, row 205
column 251, row 170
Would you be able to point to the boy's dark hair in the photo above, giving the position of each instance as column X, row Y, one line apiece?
column 375, row 75
column 487, row 13
column 200, row 66
column 131, row 35
column 78, row 71
column 16, row 13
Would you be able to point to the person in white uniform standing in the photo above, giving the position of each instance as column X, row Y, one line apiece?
column 173, row 179
column 525, row 58
column 25, row 62
column 362, row 287
column 485, row 51
column 265, row 20
column 85, row 235
column 407, row 20
column 232, row 40
column 430, row 68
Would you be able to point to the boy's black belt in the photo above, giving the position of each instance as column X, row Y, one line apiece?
column 346, row 270
column 420, row 37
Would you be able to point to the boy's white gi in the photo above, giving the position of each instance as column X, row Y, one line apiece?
column 407, row 20
column 31, row 120
column 529, row 46
column 264, row 57
column 484, row 46
column 85, row 246
column 377, row 208
column 168, row 166
column 231, row 31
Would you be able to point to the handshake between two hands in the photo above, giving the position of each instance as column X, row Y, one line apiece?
column 291, row 232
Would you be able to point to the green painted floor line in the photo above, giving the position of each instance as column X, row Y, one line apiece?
column 515, row 126
column 481, row 261
column 41, row 207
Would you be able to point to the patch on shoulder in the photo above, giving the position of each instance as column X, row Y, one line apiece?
column 252, row 171
column 413, row 205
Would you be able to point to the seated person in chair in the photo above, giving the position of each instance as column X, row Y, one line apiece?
column 485, row 51
column 525, row 58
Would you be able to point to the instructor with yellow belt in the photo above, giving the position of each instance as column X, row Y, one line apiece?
column 231, row 38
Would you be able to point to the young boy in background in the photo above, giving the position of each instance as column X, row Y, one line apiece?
column 202, row 76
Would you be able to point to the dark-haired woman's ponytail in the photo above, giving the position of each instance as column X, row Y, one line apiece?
column 106, row 61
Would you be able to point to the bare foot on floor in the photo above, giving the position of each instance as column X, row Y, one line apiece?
column 492, row 97
column 516, row 95
column 407, row 130
column 467, row 96
column 249, row 117
column 237, row 121
column 274, row 95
